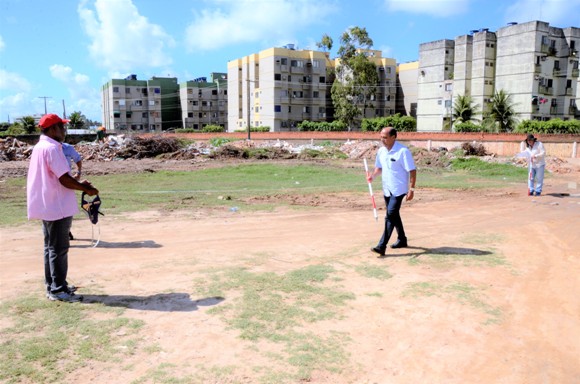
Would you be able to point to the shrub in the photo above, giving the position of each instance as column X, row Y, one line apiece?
column 213, row 128
column 322, row 126
column 553, row 126
column 467, row 126
column 400, row 123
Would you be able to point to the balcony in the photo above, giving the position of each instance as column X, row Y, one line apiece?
column 553, row 110
column 538, row 68
column 559, row 72
column 575, row 72
column 572, row 110
column 545, row 90
column 569, row 92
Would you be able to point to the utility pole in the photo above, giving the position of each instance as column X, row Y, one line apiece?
column 45, row 97
column 63, row 110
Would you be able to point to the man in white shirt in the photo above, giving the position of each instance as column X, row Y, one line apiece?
column 399, row 174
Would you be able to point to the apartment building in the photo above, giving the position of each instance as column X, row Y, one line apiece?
column 406, row 95
column 132, row 105
column 205, row 102
column 281, row 87
column 533, row 62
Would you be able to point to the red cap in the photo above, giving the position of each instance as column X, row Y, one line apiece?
column 51, row 119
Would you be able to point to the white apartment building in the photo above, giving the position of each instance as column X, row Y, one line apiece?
column 281, row 87
column 205, row 102
column 533, row 62
column 131, row 105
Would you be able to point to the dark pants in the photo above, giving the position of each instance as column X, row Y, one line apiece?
column 56, row 245
column 392, row 220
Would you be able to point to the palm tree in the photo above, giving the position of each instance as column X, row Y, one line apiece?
column 77, row 120
column 464, row 109
column 28, row 124
column 502, row 111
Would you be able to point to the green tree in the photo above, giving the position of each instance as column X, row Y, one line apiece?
column 464, row 109
column 325, row 43
column 502, row 111
column 356, row 76
column 28, row 124
column 77, row 120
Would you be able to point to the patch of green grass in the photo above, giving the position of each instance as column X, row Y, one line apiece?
column 47, row 337
column 187, row 190
column 464, row 293
column 272, row 307
column 373, row 271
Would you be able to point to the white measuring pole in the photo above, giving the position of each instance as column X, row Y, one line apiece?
column 371, row 191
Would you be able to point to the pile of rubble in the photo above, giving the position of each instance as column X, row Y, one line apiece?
column 12, row 149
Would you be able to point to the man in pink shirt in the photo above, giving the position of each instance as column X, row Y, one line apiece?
column 51, row 198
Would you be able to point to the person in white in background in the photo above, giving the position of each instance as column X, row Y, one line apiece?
column 72, row 156
column 536, row 155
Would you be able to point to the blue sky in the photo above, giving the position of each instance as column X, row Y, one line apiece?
column 67, row 49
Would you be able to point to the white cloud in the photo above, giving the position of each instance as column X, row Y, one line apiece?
column 242, row 21
column 438, row 8
column 13, row 81
column 2, row 45
column 85, row 98
column 122, row 39
column 558, row 13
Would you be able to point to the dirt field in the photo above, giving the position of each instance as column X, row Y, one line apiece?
column 487, row 292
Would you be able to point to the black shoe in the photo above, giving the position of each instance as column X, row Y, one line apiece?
column 399, row 244
column 378, row 250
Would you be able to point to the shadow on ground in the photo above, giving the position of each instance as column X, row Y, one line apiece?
column 418, row 251
column 107, row 244
column 163, row 302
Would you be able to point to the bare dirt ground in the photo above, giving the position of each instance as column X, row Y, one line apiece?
column 520, row 255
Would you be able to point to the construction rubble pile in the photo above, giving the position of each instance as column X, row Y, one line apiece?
column 121, row 147
column 12, row 149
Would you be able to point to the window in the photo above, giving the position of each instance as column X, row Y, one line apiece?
column 568, row 83
column 448, row 87
column 306, row 109
column 214, row 92
column 204, row 103
column 138, row 103
column 257, row 109
column 277, row 76
column 194, row 102
column 189, row 91
column 127, row 90
column 322, row 79
column 554, row 102
column 284, row 61
column 289, row 109
column 144, row 115
column 122, row 102
column 439, row 102
column 315, row 63
column 115, row 89
column 116, row 115
column 321, row 110
column 315, row 94
column 447, row 103
column 277, row 108
column 151, row 103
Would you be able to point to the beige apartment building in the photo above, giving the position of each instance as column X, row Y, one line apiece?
column 406, row 95
column 533, row 62
column 281, row 87
column 205, row 102
column 131, row 105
